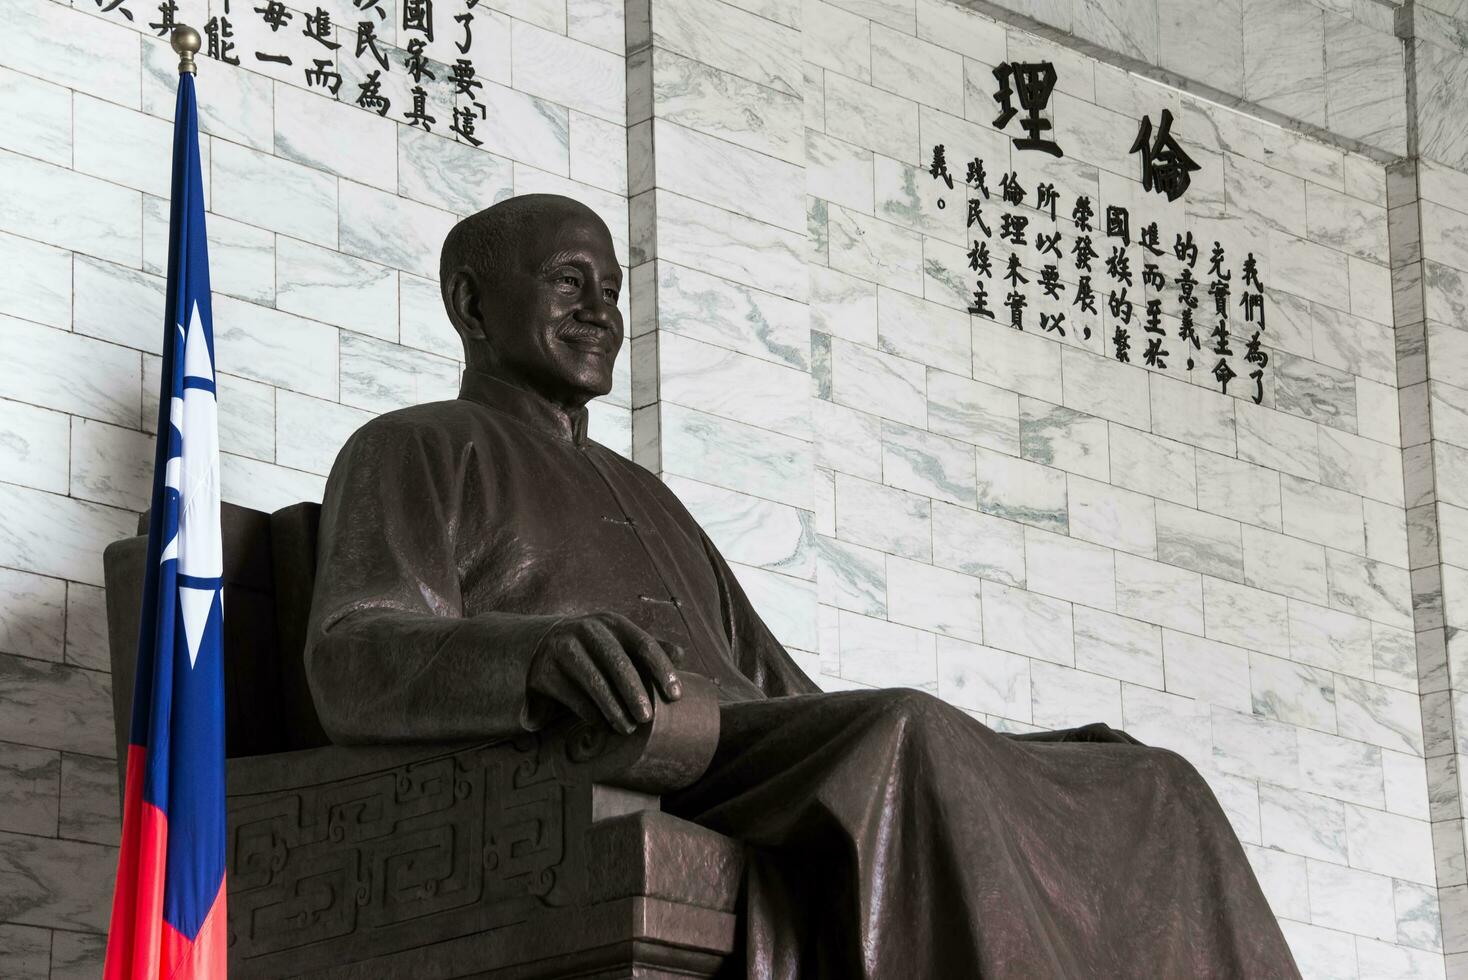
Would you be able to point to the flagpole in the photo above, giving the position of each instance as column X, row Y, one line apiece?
column 186, row 42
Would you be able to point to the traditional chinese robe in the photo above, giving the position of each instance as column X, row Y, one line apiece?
column 894, row 835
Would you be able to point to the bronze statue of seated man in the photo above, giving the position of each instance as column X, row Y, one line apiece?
column 485, row 567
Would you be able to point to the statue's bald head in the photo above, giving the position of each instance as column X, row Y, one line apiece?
column 517, row 279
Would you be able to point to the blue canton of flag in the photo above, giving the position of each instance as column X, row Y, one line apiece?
column 168, row 910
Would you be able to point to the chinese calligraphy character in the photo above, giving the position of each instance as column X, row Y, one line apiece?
column 1152, row 276
column 463, row 78
column 1013, row 192
column 1082, row 214
column 371, row 97
column 1186, row 250
column 1223, row 374
column 366, row 5
column 1014, row 276
column 417, row 64
column 1012, row 227
column 1254, row 355
column 167, row 10
column 1016, row 303
column 1121, row 340
column 1053, row 323
column 114, row 5
column 318, row 28
column 1050, row 281
column 274, row 14
column 1033, row 83
column 367, row 41
column 976, row 216
column 1118, row 266
column 978, row 259
column 939, row 169
column 467, row 19
column 980, row 305
column 464, row 122
column 323, row 75
column 1154, row 354
column 219, row 31
column 1166, row 168
column 1085, row 296
column 1083, row 252
column 1215, row 263
column 976, row 176
column 1048, row 244
column 1120, row 306
column 418, row 115
column 1149, row 236
column 1045, row 194
column 418, row 16
column 1118, row 223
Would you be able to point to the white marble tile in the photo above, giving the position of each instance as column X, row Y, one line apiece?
column 851, row 577
column 335, row 288
column 1290, row 692
column 922, row 331
column 718, row 311
column 1074, row 71
column 917, row 69
column 1112, row 516
column 1323, row 515
column 33, row 615
column 977, row 544
column 984, row 679
column 1245, row 616
column 883, row 654
column 453, row 176
column 1366, row 179
column 1369, row 588
column 731, row 40
column 1285, row 565
column 935, row 599
column 48, row 40
column 422, row 321
column 39, row 284
column 1016, row 360
column 1115, row 646
column 1346, row 224
column 1355, row 901
column 337, row 137
column 736, row 386
column 900, row 14
column 265, row 486
column 1239, row 489
column 595, row 82
column 932, row 465
column 973, row 411
column 1302, row 823
column 71, row 210
column 735, row 455
column 239, row 105
column 86, row 627
column 1275, row 198
column 1341, row 768
column 1354, row 344
column 1191, row 414
column 118, row 304
column 275, row 347
column 1063, row 438
column 1284, row 66
column 1067, row 568
column 836, row 39
column 273, row 193
column 840, row 172
column 392, row 230
column 750, row 183
column 848, row 440
column 1314, row 391
column 1389, row 844
column 1377, row 412
column 1331, row 639
column 1200, row 541
column 1386, row 533
column 1379, row 715
column 34, row 446
column 1379, row 959
column 756, row 254
column 1371, row 291
column 1020, row 490
column 1130, row 30
column 961, row 29
column 379, row 377
column 786, row 604
column 1419, row 924
column 59, row 536
column 1169, row 721
column 813, row 102
column 525, row 129
column 883, row 518
column 241, row 256
column 1278, row 441
column 1206, row 670
column 310, row 431
column 1324, row 953
column 38, row 118
column 1255, row 748
column 1104, row 386
column 102, row 379
column 872, row 118
column 1157, row 593
column 1282, row 878
column 872, row 381
column 1153, row 465
column 111, row 465
column 731, row 107
column 876, row 250
column 1029, row 624
column 1064, row 697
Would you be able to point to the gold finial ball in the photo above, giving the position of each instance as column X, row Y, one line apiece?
column 186, row 42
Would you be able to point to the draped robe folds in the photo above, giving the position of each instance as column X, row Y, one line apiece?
column 892, row 835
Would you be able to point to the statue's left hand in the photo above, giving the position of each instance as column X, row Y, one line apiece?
column 604, row 666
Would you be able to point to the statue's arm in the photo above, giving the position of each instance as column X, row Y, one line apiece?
column 390, row 655
column 758, row 655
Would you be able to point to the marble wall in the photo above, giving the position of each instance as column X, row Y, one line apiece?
column 912, row 495
column 324, row 222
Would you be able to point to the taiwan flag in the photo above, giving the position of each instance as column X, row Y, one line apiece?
column 168, row 917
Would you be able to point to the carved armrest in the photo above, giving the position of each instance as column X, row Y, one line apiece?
column 382, row 854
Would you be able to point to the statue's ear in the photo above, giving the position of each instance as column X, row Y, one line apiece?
column 465, row 305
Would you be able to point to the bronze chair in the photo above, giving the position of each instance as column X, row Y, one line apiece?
column 540, row 856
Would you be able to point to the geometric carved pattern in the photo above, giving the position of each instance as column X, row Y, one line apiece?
column 461, row 841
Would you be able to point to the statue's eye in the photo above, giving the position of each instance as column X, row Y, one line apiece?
column 569, row 279
column 610, row 294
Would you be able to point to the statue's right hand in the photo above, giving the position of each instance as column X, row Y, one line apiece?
column 604, row 666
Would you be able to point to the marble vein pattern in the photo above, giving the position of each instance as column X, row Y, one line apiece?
column 883, row 518
column 38, row 116
column 978, row 544
column 851, row 577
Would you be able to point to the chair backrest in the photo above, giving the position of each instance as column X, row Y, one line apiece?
column 269, row 574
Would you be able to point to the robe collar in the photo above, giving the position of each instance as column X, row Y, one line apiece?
column 526, row 406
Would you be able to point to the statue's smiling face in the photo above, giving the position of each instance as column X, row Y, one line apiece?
column 554, row 322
